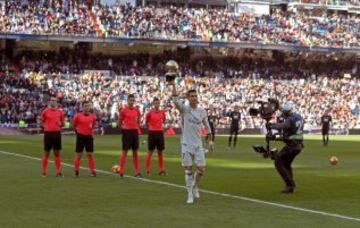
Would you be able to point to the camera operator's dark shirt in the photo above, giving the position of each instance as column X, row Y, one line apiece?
column 325, row 121
column 292, row 127
column 235, row 119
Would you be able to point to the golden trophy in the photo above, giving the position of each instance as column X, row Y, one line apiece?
column 172, row 70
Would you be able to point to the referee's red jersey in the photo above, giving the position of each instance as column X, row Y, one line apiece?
column 84, row 123
column 52, row 120
column 155, row 120
column 130, row 118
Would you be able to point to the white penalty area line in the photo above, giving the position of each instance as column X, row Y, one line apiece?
column 323, row 213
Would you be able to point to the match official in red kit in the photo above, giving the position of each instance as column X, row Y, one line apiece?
column 129, row 122
column 154, row 120
column 52, row 119
column 84, row 123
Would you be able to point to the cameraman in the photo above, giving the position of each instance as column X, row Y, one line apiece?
column 292, row 129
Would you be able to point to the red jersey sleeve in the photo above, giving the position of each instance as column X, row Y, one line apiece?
column 75, row 120
column 62, row 118
column 139, row 113
column 147, row 118
column 121, row 117
column 139, row 117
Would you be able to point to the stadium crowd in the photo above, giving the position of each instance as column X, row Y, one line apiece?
column 330, row 2
column 177, row 23
column 46, row 17
column 24, row 96
column 220, row 25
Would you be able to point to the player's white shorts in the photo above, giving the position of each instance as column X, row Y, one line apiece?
column 190, row 154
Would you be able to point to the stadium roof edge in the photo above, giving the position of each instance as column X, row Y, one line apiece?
column 191, row 43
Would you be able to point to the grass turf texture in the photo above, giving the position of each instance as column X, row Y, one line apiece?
column 28, row 200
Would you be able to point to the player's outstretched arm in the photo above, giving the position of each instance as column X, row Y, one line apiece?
column 175, row 98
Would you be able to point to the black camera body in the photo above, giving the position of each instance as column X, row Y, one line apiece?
column 266, row 112
column 266, row 109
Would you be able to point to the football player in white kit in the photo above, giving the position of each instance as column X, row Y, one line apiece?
column 192, row 151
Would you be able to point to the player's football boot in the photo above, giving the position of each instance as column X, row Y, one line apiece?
column 288, row 190
column 190, row 198
column 77, row 174
column 59, row 175
column 138, row 175
column 196, row 192
column 93, row 174
column 162, row 173
column 43, row 174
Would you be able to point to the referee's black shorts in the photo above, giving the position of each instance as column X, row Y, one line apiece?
column 130, row 140
column 325, row 130
column 234, row 130
column 84, row 142
column 156, row 140
column 52, row 140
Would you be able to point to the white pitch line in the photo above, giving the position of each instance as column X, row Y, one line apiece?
column 328, row 214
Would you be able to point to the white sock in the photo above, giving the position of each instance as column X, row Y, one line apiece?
column 189, row 179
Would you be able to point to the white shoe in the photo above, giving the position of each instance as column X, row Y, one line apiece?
column 190, row 198
column 196, row 193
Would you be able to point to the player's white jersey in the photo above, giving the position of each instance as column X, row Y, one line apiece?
column 193, row 119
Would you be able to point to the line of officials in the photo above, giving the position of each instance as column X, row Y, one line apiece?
column 52, row 120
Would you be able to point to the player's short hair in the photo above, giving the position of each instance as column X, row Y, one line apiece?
column 130, row 96
column 86, row 102
column 156, row 99
column 190, row 91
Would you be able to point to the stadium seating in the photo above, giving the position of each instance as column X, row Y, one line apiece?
column 176, row 23
column 312, row 96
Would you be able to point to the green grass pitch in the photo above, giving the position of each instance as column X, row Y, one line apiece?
column 29, row 200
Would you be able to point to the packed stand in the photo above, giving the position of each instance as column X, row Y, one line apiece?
column 330, row 2
column 280, row 27
column 75, row 61
column 24, row 96
column 46, row 18
column 176, row 23
column 220, row 25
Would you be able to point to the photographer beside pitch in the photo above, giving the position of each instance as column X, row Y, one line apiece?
column 193, row 118
column 292, row 129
